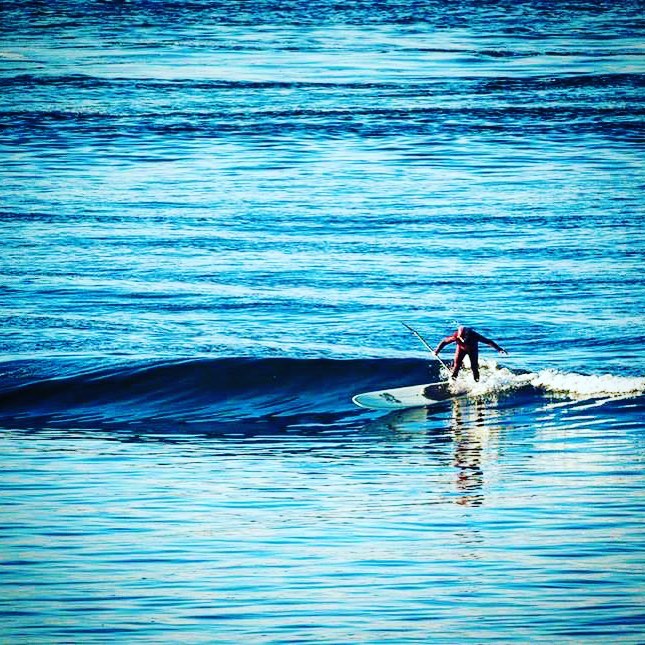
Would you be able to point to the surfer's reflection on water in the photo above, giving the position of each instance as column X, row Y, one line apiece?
column 465, row 440
column 473, row 432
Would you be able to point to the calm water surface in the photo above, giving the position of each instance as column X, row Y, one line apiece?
column 214, row 217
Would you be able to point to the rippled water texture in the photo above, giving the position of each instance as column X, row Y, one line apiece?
column 289, row 179
column 214, row 217
column 479, row 523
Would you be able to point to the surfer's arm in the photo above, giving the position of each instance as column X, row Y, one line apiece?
column 491, row 343
column 446, row 341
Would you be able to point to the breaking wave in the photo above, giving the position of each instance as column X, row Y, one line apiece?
column 496, row 379
column 279, row 391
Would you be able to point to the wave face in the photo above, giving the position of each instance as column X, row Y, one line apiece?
column 239, row 391
column 207, row 390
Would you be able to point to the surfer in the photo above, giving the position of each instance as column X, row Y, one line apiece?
column 467, row 344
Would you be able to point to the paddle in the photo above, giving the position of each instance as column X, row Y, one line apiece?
column 427, row 345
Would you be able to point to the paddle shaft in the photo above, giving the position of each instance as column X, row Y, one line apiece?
column 427, row 345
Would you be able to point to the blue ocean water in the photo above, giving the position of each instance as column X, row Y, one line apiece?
column 214, row 218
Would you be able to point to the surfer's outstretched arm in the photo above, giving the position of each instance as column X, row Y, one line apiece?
column 492, row 344
column 446, row 341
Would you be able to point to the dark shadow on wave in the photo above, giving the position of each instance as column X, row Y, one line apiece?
column 275, row 393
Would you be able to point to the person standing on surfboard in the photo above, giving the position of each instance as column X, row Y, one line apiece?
column 467, row 344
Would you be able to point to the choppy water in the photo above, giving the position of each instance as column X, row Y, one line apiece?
column 214, row 217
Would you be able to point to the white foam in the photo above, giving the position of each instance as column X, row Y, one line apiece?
column 495, row 379
column 588, row 385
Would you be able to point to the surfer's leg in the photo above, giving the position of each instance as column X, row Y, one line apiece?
column 459, row 359
column 473, row 354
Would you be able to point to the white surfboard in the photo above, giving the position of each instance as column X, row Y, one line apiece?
column 413, row 396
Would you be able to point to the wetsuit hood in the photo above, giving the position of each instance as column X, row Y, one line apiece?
column 463, row 333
